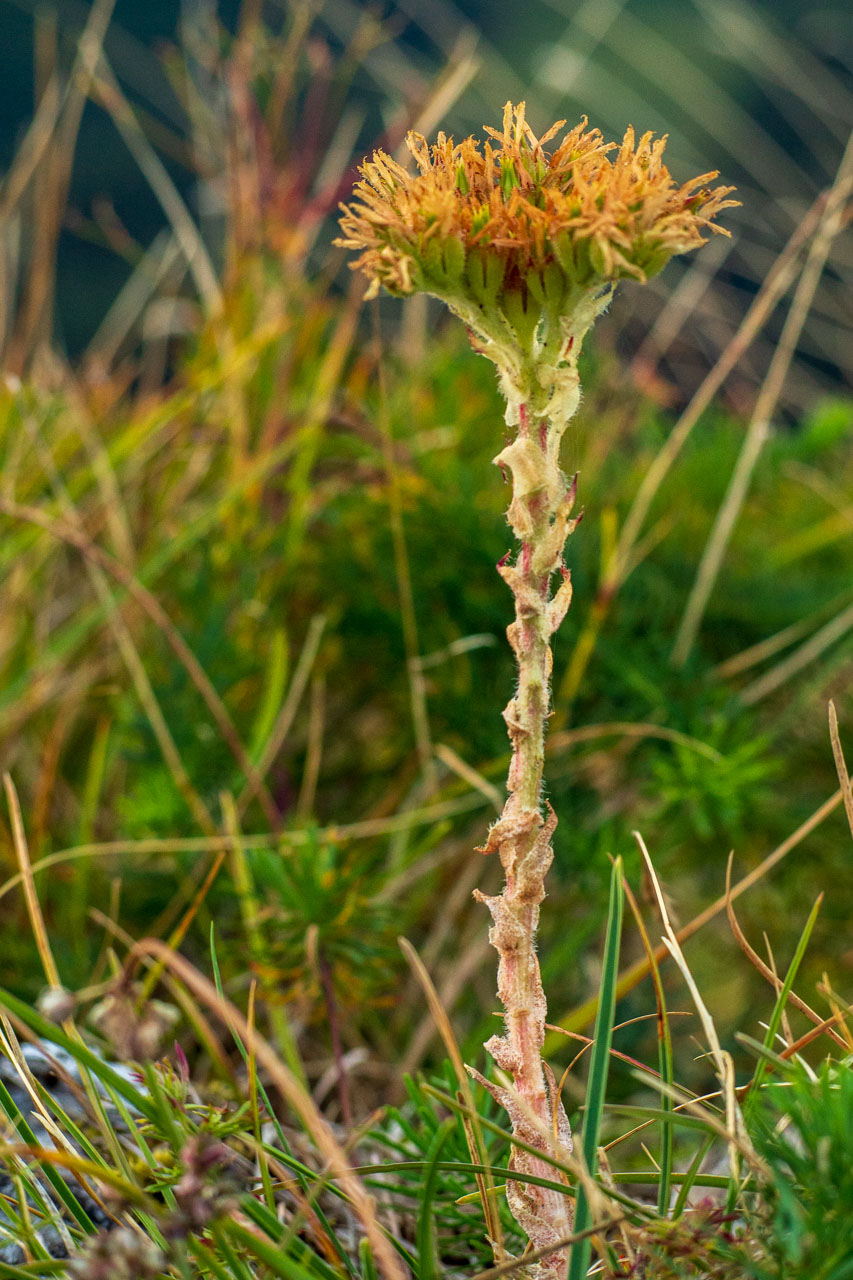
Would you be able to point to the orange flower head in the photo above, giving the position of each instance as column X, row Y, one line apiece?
column 485, row 225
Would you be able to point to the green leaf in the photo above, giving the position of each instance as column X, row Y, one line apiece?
column 27, row 1136
column 425, row 1237
column 597, row 1084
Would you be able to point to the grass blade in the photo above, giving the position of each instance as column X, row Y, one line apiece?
column 779, row 1007
column 597, row 1085
column 425, row 1238
column 53, row 1034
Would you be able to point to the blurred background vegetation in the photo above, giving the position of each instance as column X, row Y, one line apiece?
column 249, row 527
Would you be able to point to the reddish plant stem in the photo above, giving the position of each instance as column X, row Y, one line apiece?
column 539, row 514
column 328, row 984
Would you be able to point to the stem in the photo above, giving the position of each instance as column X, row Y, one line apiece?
column 542, row 390
column 540, row 516
column 538, row 375
column 335, row 1033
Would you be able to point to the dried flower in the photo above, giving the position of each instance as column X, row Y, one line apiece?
column 117, row 1255
column 512, row 223
column 57, row 1003
column 206, row 1189
column 135, row 1032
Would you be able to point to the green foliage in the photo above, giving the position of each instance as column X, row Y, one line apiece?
column 803, row 1130
column 181, row 1172
column 718, row 794
column 410, row 1138
column 324, row 911
column 599, row 1066
column 795, row 1220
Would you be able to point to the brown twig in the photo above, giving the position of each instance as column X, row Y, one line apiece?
column 630, row 977
column 755, row 959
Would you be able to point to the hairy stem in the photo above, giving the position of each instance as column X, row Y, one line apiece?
column 542, row 393
column 540, row 516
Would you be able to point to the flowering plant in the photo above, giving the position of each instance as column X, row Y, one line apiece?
column 526, row 245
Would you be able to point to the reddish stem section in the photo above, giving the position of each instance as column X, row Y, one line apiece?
column 539, row 514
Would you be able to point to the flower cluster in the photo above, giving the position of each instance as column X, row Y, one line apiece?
column 477, row 222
